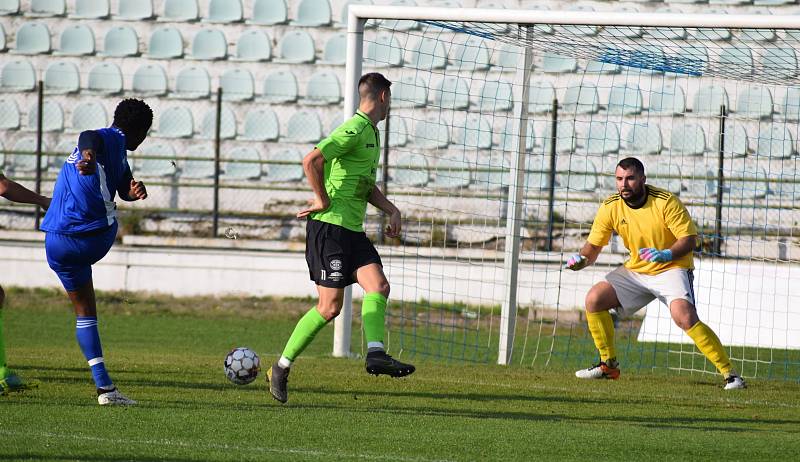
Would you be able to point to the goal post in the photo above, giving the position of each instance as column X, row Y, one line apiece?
column 506, row 126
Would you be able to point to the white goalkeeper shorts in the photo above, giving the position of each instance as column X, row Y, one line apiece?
column 635, row 290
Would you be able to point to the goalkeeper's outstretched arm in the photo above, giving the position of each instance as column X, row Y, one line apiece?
column 587, row 255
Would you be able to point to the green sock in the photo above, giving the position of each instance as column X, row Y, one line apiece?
column 304, row 333
column 373, row 315
column 2, row 348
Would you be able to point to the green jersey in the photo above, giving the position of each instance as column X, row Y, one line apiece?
column 351, row 156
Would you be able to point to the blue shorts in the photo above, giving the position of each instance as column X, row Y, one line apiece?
column 71, row 256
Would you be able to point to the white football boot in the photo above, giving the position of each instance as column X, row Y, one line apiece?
column 114, row 398
column 734, row 382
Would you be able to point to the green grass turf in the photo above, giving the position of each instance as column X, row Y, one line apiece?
column 167, row 353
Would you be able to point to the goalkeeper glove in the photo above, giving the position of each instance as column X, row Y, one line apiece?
column 576, row 262
column 653, row 255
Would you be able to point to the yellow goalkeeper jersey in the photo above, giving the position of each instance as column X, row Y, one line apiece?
column 658, row 223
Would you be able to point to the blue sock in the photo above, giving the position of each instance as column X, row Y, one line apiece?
column 89, row 341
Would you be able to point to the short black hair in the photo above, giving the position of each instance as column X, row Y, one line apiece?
column 133, row 114
column 632, row 163
column 374, row 83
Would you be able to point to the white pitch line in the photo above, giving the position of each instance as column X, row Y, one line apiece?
column 201, row 445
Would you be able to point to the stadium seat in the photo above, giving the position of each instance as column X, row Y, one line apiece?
column 754, row 102
column 150, row 80
column 196, row 168
column 3, row 43
column 545, row 29
column 701, row 182
column 260, row 125
column 626, row 31
column 237, row 85
column 32, row 38
column 336, row 50
column 582, row 99
column 410, row 170
column 667, row 176
column 650, row 59
column 601, row 138
column 243, row 164
column 427, row 54
column 9, row 8
column 304, row 127
column 492, row 171
column 192, row 82
column 708, row 100
column 227, row 127
column 496, row 96
column 398, row 131
column 773, row 2
column 736, row 140
column 105, row 79
column 385, row 50
column 296, row 47
column 159, row 167
column 758, row 35
column 667, row 33
column 431, row 133
column 774, row 141
column 209, row 44
column 557, row 64
column 313, row 13
column 450, row 172
column 224, row 11
column 139, row 10
column 688, row 58
column 451, row 92
column 269, row 13
column 52, row 117
column 180, row 11
column 24, row 158
column 62, row 150
column 472, row 55
column 409, row 91
column 791, row 104
column 253, row 45
column 508, row 57
column 91, row 9
column 76, row 40
column 736, row 60
column 625, row 99
column 279, row 87
column 61, row 77
column 88, row 115
column 120, row 42
column 537, row 173
column 779, row 62
column 288, row 166
column 579, row 30
column 9, row 115
column 668, row 99
column 475, row 133
column 323, row 88
column 509, row 137
column 342, row 22
column 176, row 122
column 540, row 97
column 643, row 139
column 599, row 67
column 716, row 33
column 687, row 140
column 165, row 43
column 565, row 137
column 47, row 8
column 580, row 175
column 750, row 183
column 17, row 76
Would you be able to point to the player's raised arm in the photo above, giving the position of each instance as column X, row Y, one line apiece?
column 15, row 192
column 314, row 168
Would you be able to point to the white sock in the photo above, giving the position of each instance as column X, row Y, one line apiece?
column 375, row 346
column 284, row 362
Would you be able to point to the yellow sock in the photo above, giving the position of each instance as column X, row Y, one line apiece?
column 708, row 343
column 601, row 327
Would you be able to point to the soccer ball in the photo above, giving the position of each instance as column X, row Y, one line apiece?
column 242, row 365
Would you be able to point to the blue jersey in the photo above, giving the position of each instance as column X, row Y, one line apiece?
column 84, row 203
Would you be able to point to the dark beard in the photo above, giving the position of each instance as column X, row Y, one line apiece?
column 638, row 200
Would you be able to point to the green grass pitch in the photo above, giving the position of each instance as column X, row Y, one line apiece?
column 167, row 354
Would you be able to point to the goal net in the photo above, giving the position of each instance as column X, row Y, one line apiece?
column 504, row 132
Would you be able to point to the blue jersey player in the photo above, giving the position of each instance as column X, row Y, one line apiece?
column 81, row 223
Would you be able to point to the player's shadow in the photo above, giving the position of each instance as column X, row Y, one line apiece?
column 481, row 397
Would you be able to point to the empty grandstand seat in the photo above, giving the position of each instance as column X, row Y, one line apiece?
column 472, row 55
column 323, row 88
column 579, row 30
column 269, row 13
column 279, row 87
column 626, row 31
column 88, row 115
column 2, row 38
column 701, row 182
column 24, row 158
column 296, row 47
column 342, row 21
column 253, row 45
column 557, row 64
column 643, row 139
column 77, row 40
column 139, row 10
column 668, row 33
column 540, row 97
column 492, row 171
column 105, row 79
column 475, row 133
column 17, row 76
column 774, row 141
column 668, row 99
column 304, row 127
column 537, row 173
column 496, row 96
column 198, row 168
column 9, row 8
column 335, row 50
column 120, row 42
column 237, row 85
column 427, row 54
column 159, row 161
column 313, row 13
column 192, row 82
column 758, row 35
column 791, row 104
column 150, row 80
column 62, row 150
column 687, row 140
column 401, row 24
column 410, row 169
column 398, row 131
column 509, row 138
column 209, row 44
column 579, row 175
column 180, row 11
column 667, row 176
column 176, row 122
column 751, row 182
column 47, row 8
column 565, row 137
column 32, row 38
column 451, row 92
column 736, row 140
column 260, row 125
column 52, row 117
column 779, row 61
column 450, row 172
column 285, row 165
column 754, row 102
column 91, row 9
column 385, row 50
column 601, row 138
column 599, row 67
column 227, row 126
column 736, row 60
column 61, row 77
column 410, row 91
column 243, row 164
column 9, row 115
column 582, row 99
column 224, row 11
column 708, row 100
column 165, row 43
column 508, row 57
column 716, row 33
column 431, row 133
column 625, row 99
